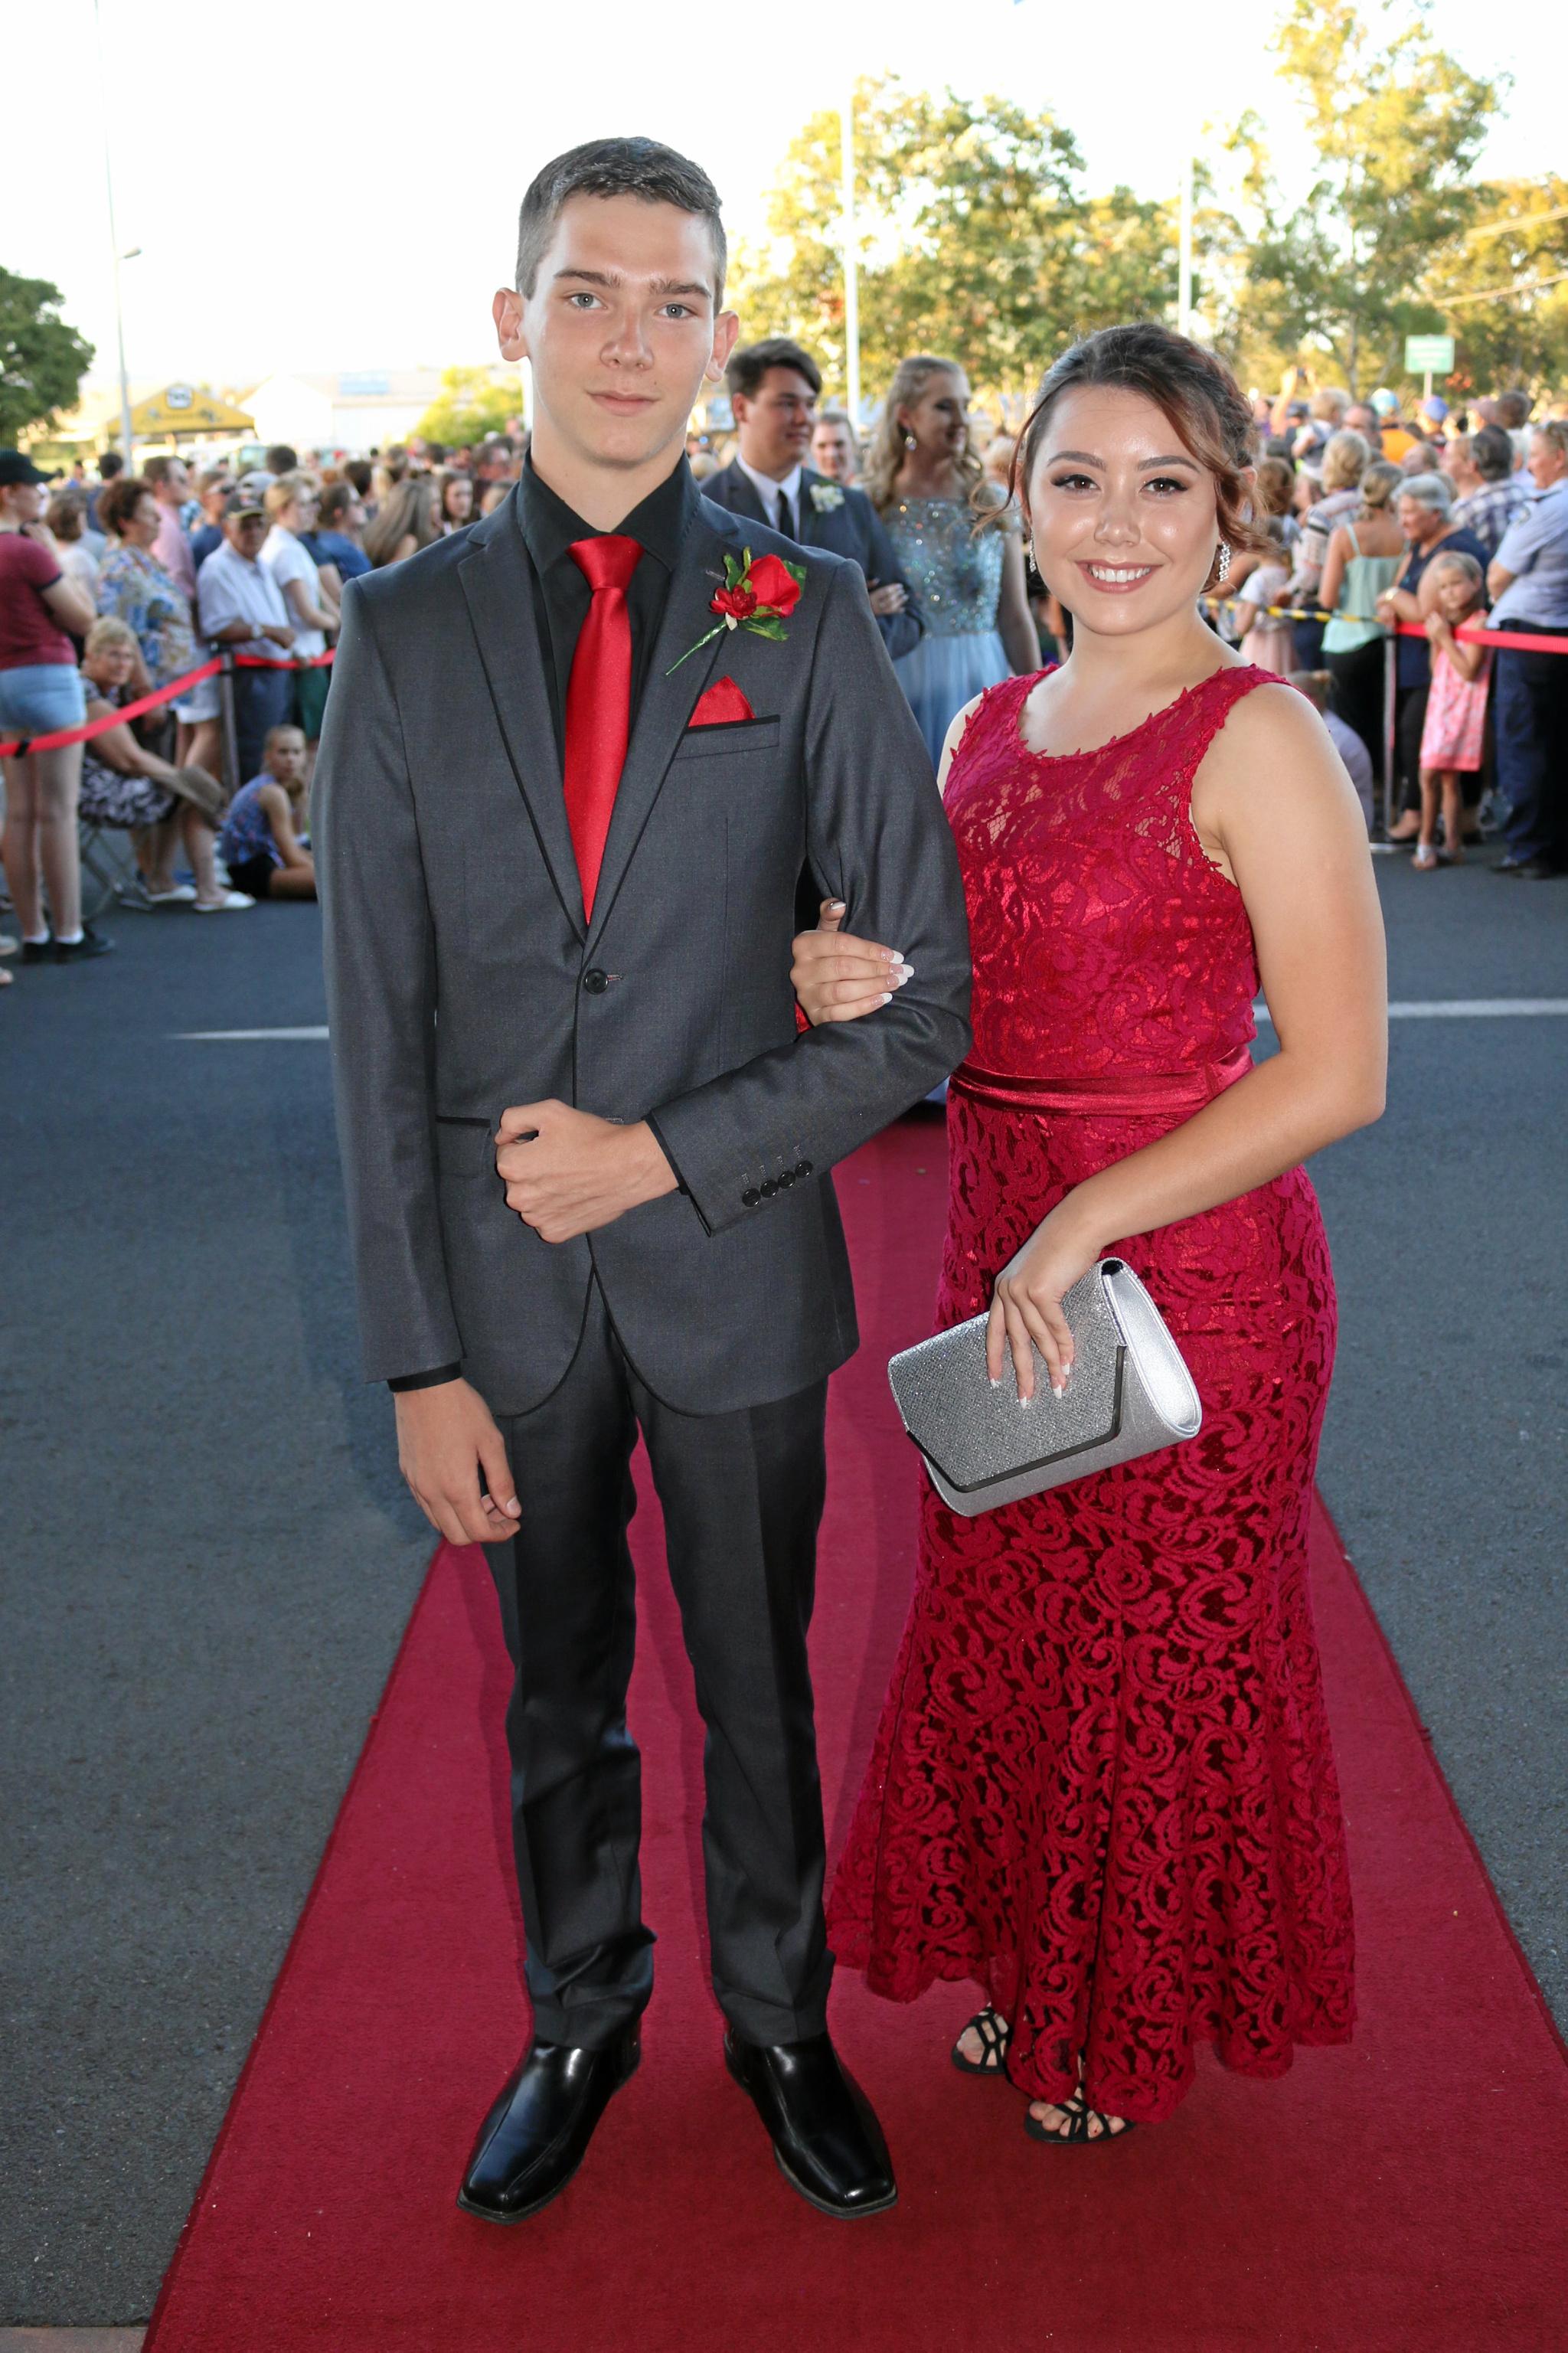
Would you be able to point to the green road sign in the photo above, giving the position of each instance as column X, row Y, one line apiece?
column 1429, row 355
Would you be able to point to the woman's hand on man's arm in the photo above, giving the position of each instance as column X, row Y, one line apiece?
column 838, row 977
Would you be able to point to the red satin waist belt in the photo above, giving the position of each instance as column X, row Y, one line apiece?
column 1124, row 1092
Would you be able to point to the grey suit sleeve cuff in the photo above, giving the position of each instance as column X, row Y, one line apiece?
column 433, row 1380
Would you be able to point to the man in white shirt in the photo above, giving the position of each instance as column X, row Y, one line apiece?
column 242, row 608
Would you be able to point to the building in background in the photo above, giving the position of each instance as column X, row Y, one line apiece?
column 364, row 409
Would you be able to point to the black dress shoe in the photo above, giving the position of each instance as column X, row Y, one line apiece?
column 537, row 2133
column 828, row 2144
column 91, row 944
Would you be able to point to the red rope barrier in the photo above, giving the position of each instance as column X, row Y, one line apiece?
column 1516, row 640
column 176, row 687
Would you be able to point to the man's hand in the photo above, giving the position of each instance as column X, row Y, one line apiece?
column 889, row 597
column 567, row 1173
column 446, row 1437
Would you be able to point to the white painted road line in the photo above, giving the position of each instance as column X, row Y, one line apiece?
column 1455, row 1009
column 1461, row 1009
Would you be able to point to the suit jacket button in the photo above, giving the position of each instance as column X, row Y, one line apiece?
column 595, row 981
column 770, row 1187
column 802, row 1168
column 786, row 1176
column 750, row 1197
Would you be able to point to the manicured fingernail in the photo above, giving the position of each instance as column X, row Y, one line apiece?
column 996, row 1380
column 835, row 906
column 905, row 971
column 885, row 999
column 895, row 955
column 1058, row 1388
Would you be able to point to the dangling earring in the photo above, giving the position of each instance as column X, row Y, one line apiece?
column 1222, row 568
column 909, row 442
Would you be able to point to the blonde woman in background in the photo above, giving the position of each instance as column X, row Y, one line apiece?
column 1345, row 461
column 1365, row 552
column 926, row 481
column 407, row 520
column 292, row 510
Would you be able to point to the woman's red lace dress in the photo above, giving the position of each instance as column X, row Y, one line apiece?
column 1102, row 1786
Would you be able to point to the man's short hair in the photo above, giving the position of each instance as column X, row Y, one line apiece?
column 615, row 167
column 1492, row 454
column 357, row 471
column 109, row 464
column 281, row 459
column 1513, row 409
column 156, row 470
column 751, row 364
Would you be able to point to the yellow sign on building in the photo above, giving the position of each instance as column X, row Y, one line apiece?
column 183, row 409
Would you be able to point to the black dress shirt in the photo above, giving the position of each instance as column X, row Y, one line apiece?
column 562, row 596
column 561, row 600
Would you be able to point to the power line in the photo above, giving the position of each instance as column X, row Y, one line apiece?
column 1499, row 293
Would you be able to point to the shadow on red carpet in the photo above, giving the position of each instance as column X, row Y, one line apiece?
column 1404, row 2196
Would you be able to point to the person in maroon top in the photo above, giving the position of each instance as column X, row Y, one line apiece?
column 40, row 694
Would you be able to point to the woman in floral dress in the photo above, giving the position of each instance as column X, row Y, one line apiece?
column 1102, row 1789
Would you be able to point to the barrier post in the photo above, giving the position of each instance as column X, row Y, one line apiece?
column 230, row 727
column 1390, row 714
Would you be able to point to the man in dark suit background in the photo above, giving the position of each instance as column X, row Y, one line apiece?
column 571, row 770
column 774, row 390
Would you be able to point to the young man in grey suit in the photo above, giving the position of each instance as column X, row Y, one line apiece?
column 574, row 767
column 774, row 390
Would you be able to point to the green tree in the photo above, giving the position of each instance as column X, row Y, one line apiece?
column 975, row 240
column 1398, row 125
column 1502, row 289
column 469, row 405
column 42, row 360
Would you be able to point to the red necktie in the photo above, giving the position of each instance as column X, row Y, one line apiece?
column 599, row 702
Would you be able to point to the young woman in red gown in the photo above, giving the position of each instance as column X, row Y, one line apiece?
column 1102, row 1788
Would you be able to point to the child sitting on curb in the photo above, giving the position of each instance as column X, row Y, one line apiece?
column 261, row 841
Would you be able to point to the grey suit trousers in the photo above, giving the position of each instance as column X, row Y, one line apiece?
column 742, row 1494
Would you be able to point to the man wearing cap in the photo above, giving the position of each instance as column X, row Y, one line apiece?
column 1395, row 440
column 242, row 608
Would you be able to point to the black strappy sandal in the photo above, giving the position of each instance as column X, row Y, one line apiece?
column 995, row 2037
column 1079, row 2114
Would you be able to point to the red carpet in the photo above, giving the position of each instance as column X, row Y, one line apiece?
column 1405, row 2196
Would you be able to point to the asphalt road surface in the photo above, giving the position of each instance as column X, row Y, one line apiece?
column 209, row 1558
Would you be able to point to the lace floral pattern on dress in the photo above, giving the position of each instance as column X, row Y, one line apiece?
column 1102, row 1786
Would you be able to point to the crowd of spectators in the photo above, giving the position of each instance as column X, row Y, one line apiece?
column 113, row 590
column 1384, row 523
column 1378, row 522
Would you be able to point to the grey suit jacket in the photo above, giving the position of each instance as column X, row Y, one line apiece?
column 852, row 528
column 462, row 976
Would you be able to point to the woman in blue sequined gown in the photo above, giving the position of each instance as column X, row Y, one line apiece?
column 925, row 480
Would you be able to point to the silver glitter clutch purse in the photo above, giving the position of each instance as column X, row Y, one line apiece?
column 1131, row 1393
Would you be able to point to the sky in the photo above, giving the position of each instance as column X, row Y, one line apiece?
column 325, row 185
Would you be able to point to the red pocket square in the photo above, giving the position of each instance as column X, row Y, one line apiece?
column 722, row 705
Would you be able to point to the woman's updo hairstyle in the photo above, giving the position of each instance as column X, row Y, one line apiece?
column 1378, row 484
column 1195, row 389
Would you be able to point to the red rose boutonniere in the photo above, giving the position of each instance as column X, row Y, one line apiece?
column 758, row 593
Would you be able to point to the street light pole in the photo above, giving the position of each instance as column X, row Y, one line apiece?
column 115, row 246
column 851, row 259
column 1184, row 254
